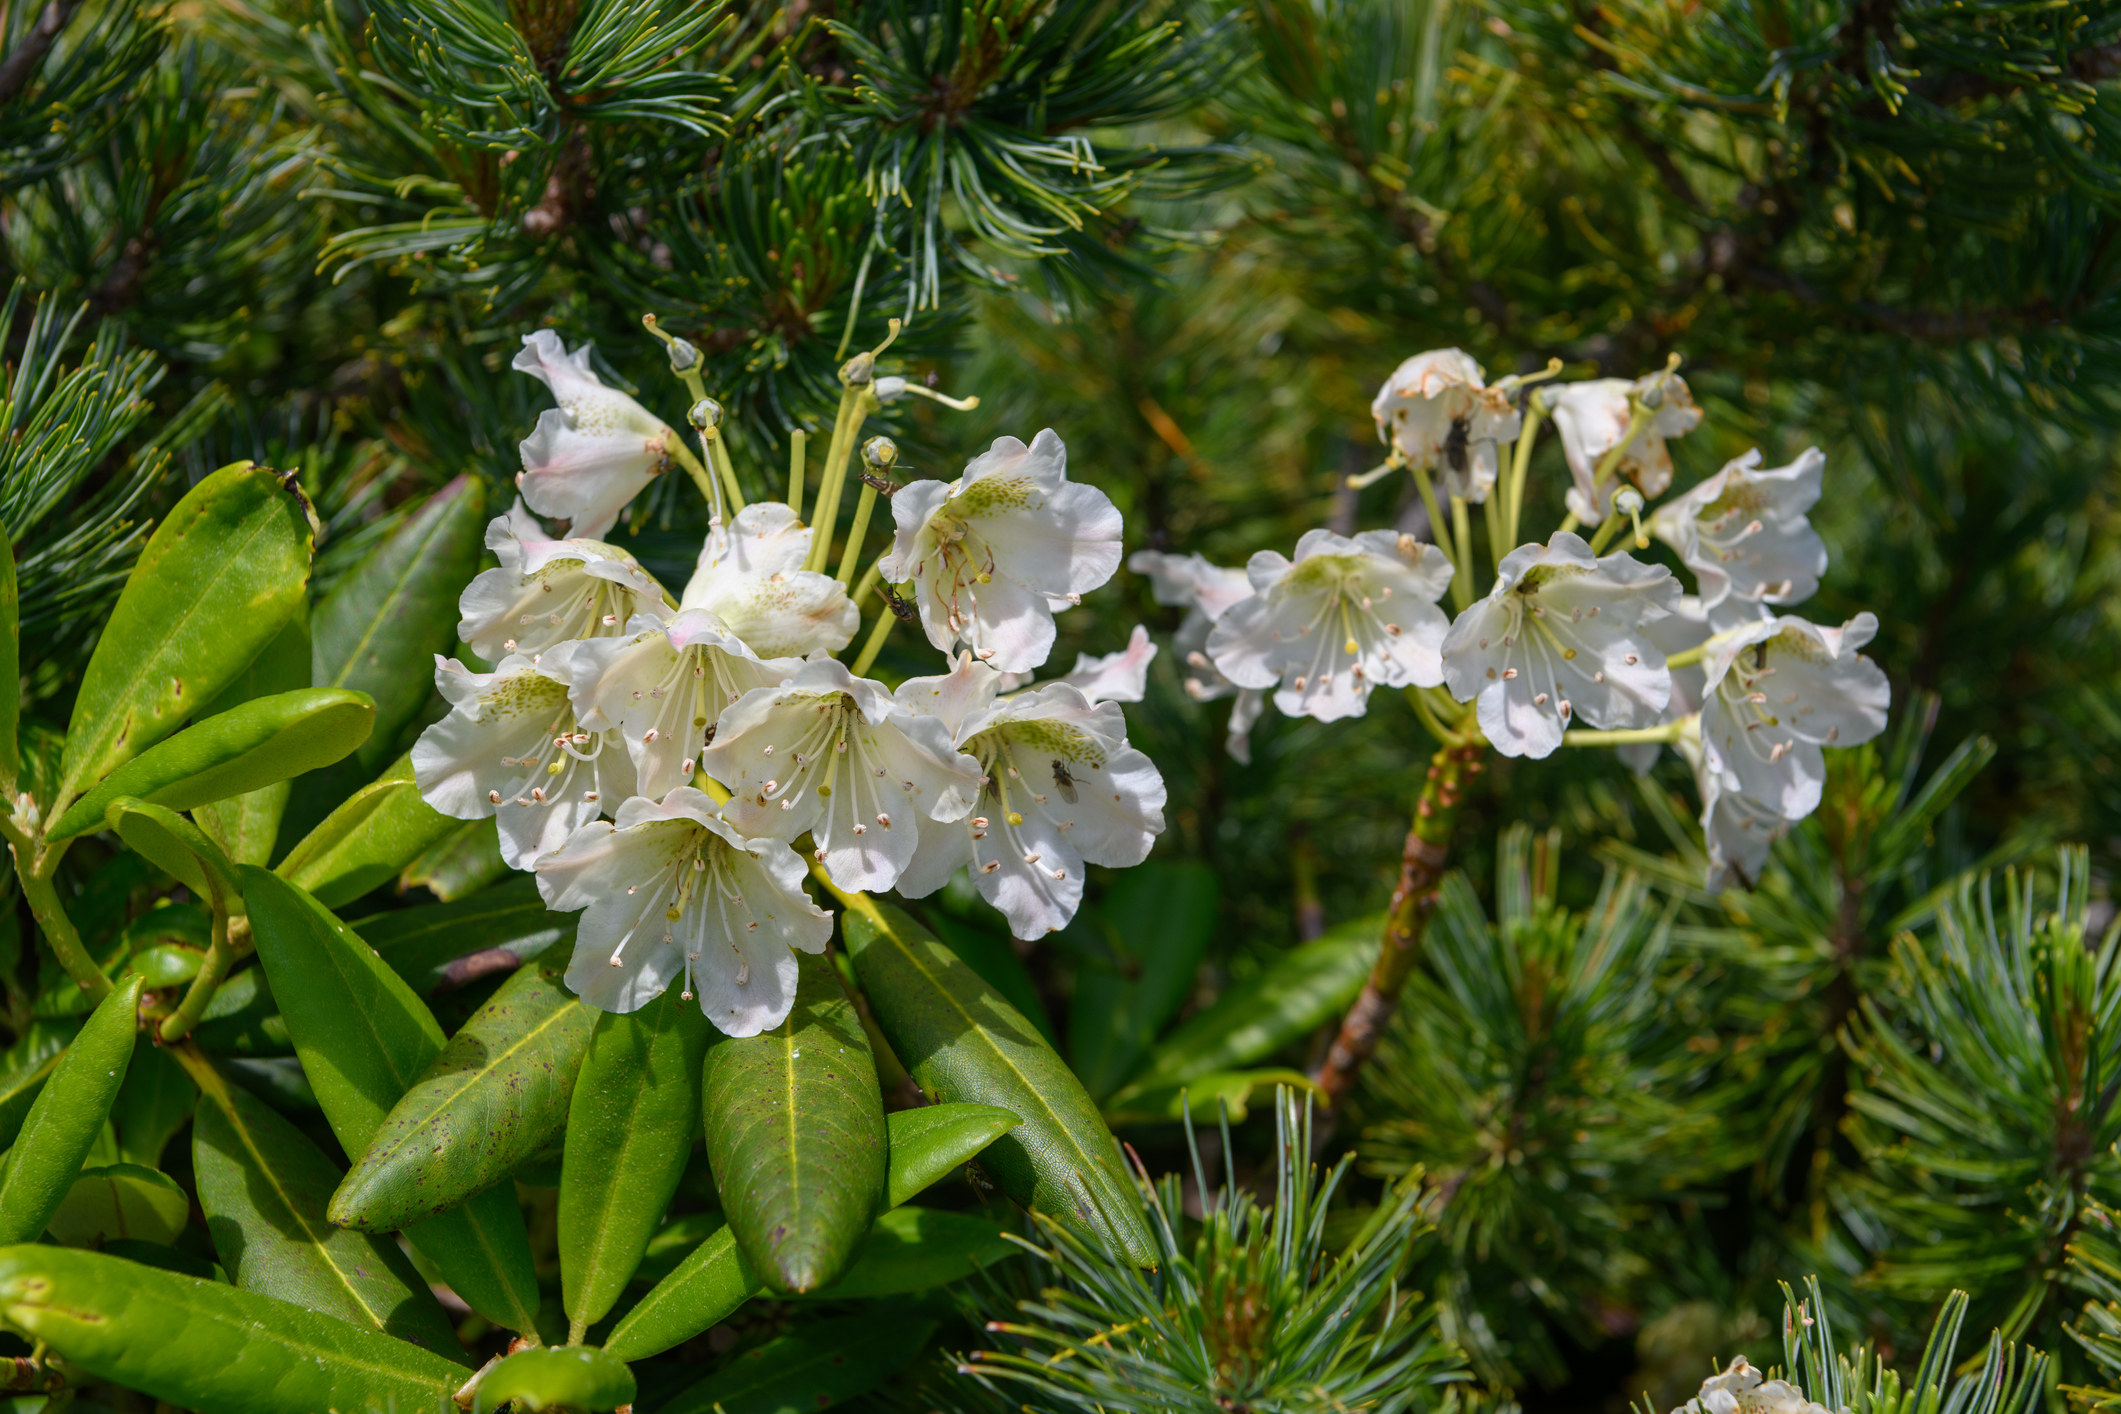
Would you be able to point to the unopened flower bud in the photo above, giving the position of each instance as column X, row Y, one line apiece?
column 683, row 356
column 879, row 452
column 705, row 413
column 859, row 371
column 890, row 390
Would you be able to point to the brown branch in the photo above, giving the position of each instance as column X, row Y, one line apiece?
column 1421, row 869
column 15, row 71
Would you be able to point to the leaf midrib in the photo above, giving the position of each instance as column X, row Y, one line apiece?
column 444, row 1100
column 160, row 653
column 279, row 1191
column 413, row 564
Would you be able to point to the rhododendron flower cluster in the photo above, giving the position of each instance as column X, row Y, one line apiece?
column 674, row 767
column 1576, row 641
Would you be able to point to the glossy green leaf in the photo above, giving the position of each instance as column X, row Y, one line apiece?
column 178, row 848
column 380, row 627
column 962, row 1041
column 716, row 1277
column 580, row 1379
column 709, row 1284
column 67, row 1118
column 795, row 1134
column 153, row 1104
column 364, row 1038
column 216, row 582
column 264, row 1187
column 167, row 966
column 630, row 1126
column 1295, row 995
column 382, row 827
column 494, row 1097
column 993, row 956
column 263, row 741
column 1156, row 922
column 927, row 1143
column 277, row 1080
column 10, row 670
column 811, row 1368
column 114, row 1201
column 244, row 1019
column 449, row 944
column 1203, row 1097
column 673, row 1242
column 460, row 863
column 214, row 1349
column 246, row 825
column 916, row 1249
column 26, row 1066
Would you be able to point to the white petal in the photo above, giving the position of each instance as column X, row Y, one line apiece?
column 1189, row 581
column 750, row 577
column 1116, row 677
column 968, row 688
column 550, row 591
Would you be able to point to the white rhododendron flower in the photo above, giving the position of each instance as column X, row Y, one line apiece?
column 1438, row 411
column 833, row 754
column 1344, row 616
column 594, row 452
column 1060, row 787
column 671, row 890
column 1115, row 677
column 1561, row 638
column 1744, row 534
column 512, row 747
column 1206, row 591
column 992, row 554
column 664, row 686
column 1740, row 1390
column 1592, row 418
column 751, row 577
column 1685, row 627
column 1777, row 691
column 550, row 591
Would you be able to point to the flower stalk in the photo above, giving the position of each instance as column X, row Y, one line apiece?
column 229, row 943
column 1421, row 869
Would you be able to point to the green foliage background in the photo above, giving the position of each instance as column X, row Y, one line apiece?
column 1193, row 239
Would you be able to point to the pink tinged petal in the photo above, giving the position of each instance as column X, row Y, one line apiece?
column 1116, row 677
column 1244, row 715
column 1191, row 582
column 969, row 687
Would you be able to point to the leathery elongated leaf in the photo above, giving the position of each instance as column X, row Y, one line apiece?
column 795, row 1134
column 264, row 1187
column 495, row 1096
column 962, row 1041
column 120, row 1203
column 216, row 582
column 1295, row 994
column 578, row 1378
column 378, row 630
column 26, row 1066
column 364, row 1038
column 810, row 1368
column 630, row 1128
column 245, row 826
column 271, row 739
column 153, row 1104
column 179, row 848
column 449, row 944
column 1156, row 922
column 209, row 1347
column 915, row 1249
column 367, row 840
column 67, row 1117
column 716, row 1277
